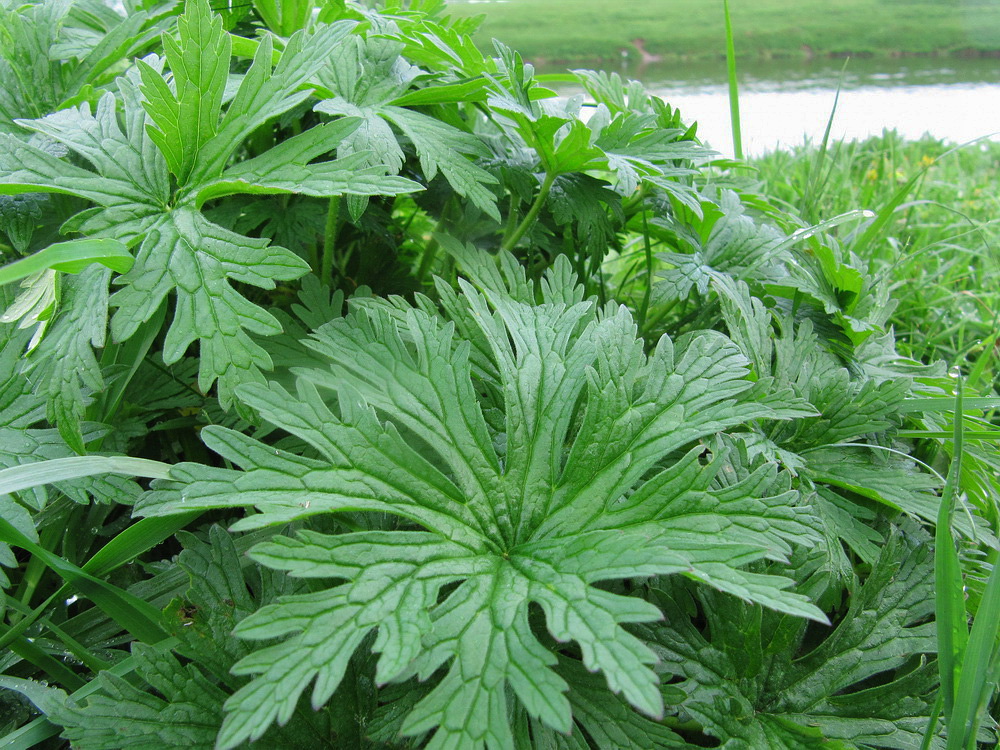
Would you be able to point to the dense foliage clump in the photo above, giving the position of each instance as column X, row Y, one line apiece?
column 472, row 422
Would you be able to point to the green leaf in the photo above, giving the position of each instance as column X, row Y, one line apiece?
column 365, row 76
column 19, row 216
column 589, row 209
column 753, row 679
column 736, row 245
column 266, row 92
column 70, row 257
column 46, row 698
column 35, row 304
column 186, row 253
column 892, row 481
column 128, row 167
column 178, row 704
column 179, row 250
column 186, row 116
column 286, row 169
column 638, row 150
column 25, row 448
column 443, row 147
column 118, row 712
column 64, row 361
column 530, row 515
column 473, row 90
column 609, row 721
column 26, row 169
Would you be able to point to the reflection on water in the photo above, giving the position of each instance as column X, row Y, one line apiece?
column 955, row 112
column 782, row 101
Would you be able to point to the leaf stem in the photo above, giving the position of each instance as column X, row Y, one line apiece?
column 330, row 237
column 430, row 250
column 511, row 224
column 647, row 293
column 529, row 218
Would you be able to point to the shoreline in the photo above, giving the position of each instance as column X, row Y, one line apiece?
column 666, row 57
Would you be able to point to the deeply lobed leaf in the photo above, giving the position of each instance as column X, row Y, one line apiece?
column 535, row 516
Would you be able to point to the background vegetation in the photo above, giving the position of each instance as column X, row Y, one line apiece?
column 575, row 30
column 939, row 249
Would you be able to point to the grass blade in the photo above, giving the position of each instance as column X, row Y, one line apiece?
column 26, row 476
column 136, row 616
column 943, row 434
column 55, row 669
column 886, row 212
column 129, row 544
column 70, row 257
column 983, row 360
column 936, row 405
column 974, row 688
column 949, row 602
column 136, row 539
column 734, row 93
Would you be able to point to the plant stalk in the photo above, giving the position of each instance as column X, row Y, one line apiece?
column 430, row 250
column 330, row 238
column 734, row 94
column 529, row 218
column 648, row 292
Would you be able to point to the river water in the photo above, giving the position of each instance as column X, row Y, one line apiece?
column 783, row 102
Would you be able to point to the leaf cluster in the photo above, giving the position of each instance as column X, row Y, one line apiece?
column 530, row 423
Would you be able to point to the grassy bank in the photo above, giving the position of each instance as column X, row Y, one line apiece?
column 563, row 30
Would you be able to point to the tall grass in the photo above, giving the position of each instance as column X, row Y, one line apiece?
column 734, row 93
column 968, row 661
column 936, row 238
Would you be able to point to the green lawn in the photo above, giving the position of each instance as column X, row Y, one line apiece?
column 559, row 30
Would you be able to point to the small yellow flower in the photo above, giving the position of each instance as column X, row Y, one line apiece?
column 926, row 160
column 871, row 175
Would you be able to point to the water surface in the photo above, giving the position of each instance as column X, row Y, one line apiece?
column 782, row 102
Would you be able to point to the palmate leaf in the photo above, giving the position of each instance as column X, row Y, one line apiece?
column 186, row 713
column 175, row 123
column 181, row 705
column 736, row 246
column 366, row 77
column 64, row 363
column 831, row 448
column 753, row 680
column 640, row 150
column 497, row 522
column 24, row 441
